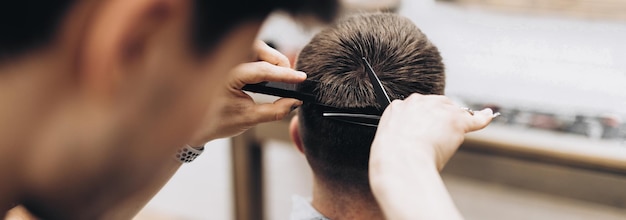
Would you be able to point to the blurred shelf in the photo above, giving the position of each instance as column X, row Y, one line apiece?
column 549, row 147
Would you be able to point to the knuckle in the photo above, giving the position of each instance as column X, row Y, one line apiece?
column 249, row 119
column 272, row 57
column 279, row 115
column 259, row 45
column 446, row 100
column 264, row 67
column 414, row 96
column 438, row 98
column 283, row 59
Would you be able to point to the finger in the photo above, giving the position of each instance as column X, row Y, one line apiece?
column 479, row 120
column 256, row 72
column 270, row 55
column 274, row 111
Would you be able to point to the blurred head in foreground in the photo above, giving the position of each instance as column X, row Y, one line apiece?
column 84, row 83
column 405, row 61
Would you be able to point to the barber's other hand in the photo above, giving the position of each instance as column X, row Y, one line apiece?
column 414, row 140
column 428, row 128
column 239, row 112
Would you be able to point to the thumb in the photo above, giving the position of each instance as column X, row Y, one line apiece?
column 275, row 111
column 480, row 119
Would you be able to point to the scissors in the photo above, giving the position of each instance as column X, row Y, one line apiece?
column 305, row 91
column 370, row 120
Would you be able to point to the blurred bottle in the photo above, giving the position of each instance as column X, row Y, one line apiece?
column 612, row 125
column 589, row 127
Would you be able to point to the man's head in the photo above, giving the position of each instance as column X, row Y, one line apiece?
column 403, row 58
column 120, row 74
column 108, row 42
column 137, row 62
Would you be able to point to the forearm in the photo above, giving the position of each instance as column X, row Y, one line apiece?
column 407, row 187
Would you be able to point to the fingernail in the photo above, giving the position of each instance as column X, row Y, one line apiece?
column 301, row 74
column 295, row 106
column 488, row 111
column 495, row 115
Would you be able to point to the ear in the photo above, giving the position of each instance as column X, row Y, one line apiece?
column 116, row 36
column 294, row 132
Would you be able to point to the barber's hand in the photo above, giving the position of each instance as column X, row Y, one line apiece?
column 427, row 127
column 414, row 140
column 239, row 111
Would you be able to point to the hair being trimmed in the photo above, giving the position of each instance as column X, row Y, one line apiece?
column 405, row 61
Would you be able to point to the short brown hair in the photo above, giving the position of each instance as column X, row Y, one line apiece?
column 403, row 58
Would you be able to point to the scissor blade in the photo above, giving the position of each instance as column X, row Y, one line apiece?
column 359, row 119
column 381, row 95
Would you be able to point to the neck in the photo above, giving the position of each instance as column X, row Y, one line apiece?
column 341, row 202
column 27, row 88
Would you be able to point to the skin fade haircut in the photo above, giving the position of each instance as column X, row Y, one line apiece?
column 403, row 58
column 29, row 24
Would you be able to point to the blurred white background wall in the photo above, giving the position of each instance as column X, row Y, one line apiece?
column 544, row 61
column 202, row 189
